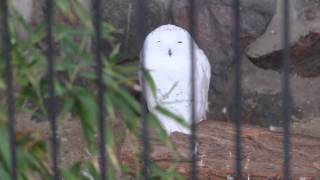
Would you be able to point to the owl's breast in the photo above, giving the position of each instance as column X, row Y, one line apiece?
column 172, row 86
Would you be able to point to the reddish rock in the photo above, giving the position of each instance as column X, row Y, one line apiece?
column 262, row 156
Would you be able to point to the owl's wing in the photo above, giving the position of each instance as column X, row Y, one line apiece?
column 203, row 75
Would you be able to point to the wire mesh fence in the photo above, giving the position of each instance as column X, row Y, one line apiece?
column 102, row 90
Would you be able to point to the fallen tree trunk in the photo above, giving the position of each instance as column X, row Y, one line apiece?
column 262, row 153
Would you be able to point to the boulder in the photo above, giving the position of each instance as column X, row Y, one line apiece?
column 214, row 27
column 214, row 20
column 304, row 43
column 262, row 82
column 123, row 15
column 262, row 99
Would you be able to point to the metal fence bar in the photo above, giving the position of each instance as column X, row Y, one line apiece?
column 142, row 28
column 9, row 81
column 237, row 87
column 286, row 90
column 101, row 89
column 52, row 103
column 193, row 137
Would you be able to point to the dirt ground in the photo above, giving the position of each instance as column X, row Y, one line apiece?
column 72, row 147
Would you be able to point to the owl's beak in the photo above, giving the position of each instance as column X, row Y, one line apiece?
column 169, row 52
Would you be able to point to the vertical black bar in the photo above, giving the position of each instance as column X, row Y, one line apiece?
column 286, row 90
column 142, row 28
column 101, row 89
column 52, row 103
column 9, row 81
column 193, row 137
column 237, row 87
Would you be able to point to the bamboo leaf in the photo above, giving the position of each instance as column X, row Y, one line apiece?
column 170, row 114
column 151, row 84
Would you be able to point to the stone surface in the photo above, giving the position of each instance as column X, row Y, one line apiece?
column 31, row 11
column 123, row 15
column 304, row 40
column 262, row 86
column 262, row 99
column 214, row 35
column 262, row 156
column 25, row 8
column 215, row 20
column 70, row 133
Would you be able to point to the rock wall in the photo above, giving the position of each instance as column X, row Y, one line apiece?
column 260, row 44
column 266, row 77
column 123, row 15
column 214, row 29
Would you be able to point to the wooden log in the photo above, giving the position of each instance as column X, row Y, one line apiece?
column 262, row 156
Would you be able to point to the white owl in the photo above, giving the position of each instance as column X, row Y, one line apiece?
column 167, row 58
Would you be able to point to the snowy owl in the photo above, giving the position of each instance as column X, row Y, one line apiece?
column 167, row 59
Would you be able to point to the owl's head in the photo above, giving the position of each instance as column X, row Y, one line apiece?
column 168, row 41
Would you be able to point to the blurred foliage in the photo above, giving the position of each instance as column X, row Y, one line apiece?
column 30, row 153
column 75, row 92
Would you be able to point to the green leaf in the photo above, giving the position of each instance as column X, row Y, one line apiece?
column 91, row 172
column 132, row 102
column 2, row 85
column 4, row 150
column 88, row 75
column 60, row 88
column 151, row 83
column 170, row 114
column 107, row 31
column 113, row 57
column 4, row 174
column 63, row 5
column 86, row 108
column 130, row 117
column 67, row 106
column 84, row 16
column 73, row 173
column 38, row 35
column 159, row 173
column 155, row 124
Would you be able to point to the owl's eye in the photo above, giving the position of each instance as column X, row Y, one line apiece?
column 179, row 42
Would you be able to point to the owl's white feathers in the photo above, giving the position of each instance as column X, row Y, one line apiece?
column 167, row 58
